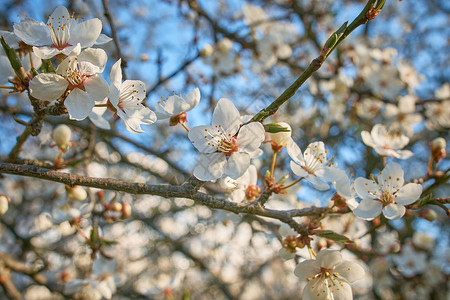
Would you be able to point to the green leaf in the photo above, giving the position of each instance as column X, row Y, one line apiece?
column 331, row 235
column 274, row 128
column 424, row 201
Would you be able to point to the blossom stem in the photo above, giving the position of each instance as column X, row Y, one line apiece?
column 101, row 105
column 312, row 254
column 185, row 127
column 293, row 183
column 384, row 161
column 272, row 167
column 430, row 165
column 6, row 87
column 77, row 226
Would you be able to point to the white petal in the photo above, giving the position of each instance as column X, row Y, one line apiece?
column 294, row 152
column 33, row 33
column 79, row 104
column 408, row 194
column 193, row 98
column 327, row 290
column 391, row 177
column 329, row 258
column 404, row 154
column 306, row 269
column 250, row 137
column 210, row 166
column 350, row 271
column 96, row 117
column 174, row 105
column 45, row 52
column 96, row 87
column 226, row 115
column 394, row 211
column 116, row 74
column 367, row 138
column 102, row 39
column 368, row 209
column 85, row 33
column 133, row 119
column 96, row 57
column 317, row 182
column 200, row 138
column 286, row 254
column 48, row 86
column 298, row 170
column 237, row 164
column 366, row 188
column 286, row 230
column 73, row 50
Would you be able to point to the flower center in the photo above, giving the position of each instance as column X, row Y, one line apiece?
column 222, row 141
column 327, row 282
column 314, row 159
column 61, row 34
column 75, row 77
column 387, row 198
column 129, row 98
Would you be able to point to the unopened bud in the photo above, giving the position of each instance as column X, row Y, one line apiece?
column 76, row 193
column 144, row 57
column 116, row 206
column 126, row 211
column 225, row 45
column 208, row 50
column 438, row 151
column 4, row 204
column 281, row 138
column 428, row 214
column 61, row 136
column 101, row 195
column 339, row 201
column 252, row 192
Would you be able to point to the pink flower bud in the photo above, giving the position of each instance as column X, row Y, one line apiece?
column 61, row 136
column 438, row 151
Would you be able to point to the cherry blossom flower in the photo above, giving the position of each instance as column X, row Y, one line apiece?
column 81, row 76
column 62, row 34
column 328, row 276
column 96, row 115
column 388, row 195
column 244, row 187
column 127, row 100
column 403, row 116
column 88, row 289
column 410, row 262
column 313, row 165
column 226, row 145
column 175, row 105
column 386, row 143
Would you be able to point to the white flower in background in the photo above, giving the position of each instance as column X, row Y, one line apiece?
column 88, row 289
column 225, row 145
column 62, row 34
column 312, row 165
column 386, row 143
column 409, row 75
column 62, row 136
column 403, row 116
column 388, row 195
column 274, row 44
column 384, row 80
column 81, row 76
column 289, row 235
column 328, row 276
column 423, row 241
column 4, row 204
column 127, row 99
column 368, row 108
column 410, row 262
column 223, row 61
column 344, row 188
column 254, row 15
column 175, row 105
column 244, row 187
column 438, row 113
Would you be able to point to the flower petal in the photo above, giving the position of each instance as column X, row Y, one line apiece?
column 96, row 87
column 298, row 170
column 366, row 188
column 237, row 164
column 391, row 177
column 97, row 57
column 96, row 117
column 250, row 137
column 32, row 32
column 295, row 153
column 350, row 271
column 368, row 209
column 192, row 98
column 317, row 182
column 48, row 86
column 408, row 194
column 306, row 269
column 85, row 33
column 227, row 116
column 394, row 211
column 79, row 104
column 200, row 138
column 210, row 166
column 329, row 258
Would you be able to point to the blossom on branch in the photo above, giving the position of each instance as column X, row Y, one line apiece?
column 387, row 143
column 388, row 195
column 80, row 76
column 227, row 145
column 127, row 100
column 328, row 276
column 175, row 107
column 62, row 34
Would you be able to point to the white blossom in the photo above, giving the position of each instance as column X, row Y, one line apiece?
column 386, row 143
column 175, row 104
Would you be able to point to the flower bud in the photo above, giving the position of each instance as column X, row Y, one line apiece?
column 61, row 136
column 144, row 57
column 207, row 51
column 423, row 240
column 438, row 151
column 252, row 192
column 126, row 211
column 77, row 193
column 225, row 45
column 116, row 206
column 3, row 204
column 281, row 138
column 428, row 214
